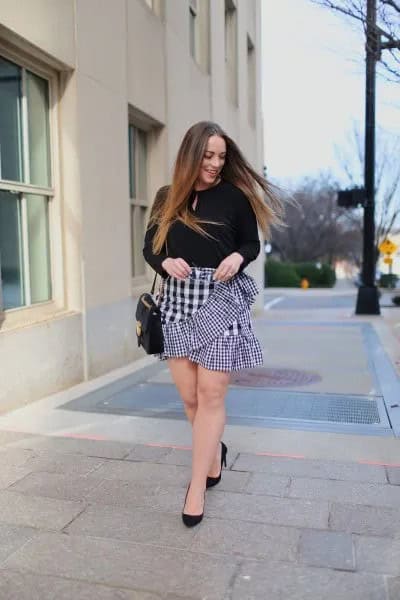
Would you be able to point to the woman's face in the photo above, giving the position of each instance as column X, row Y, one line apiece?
column 213, row 160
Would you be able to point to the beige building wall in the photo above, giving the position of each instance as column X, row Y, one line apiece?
column 110, row 64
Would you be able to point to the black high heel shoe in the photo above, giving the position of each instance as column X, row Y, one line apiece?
column 211, row 481
column 191, row 520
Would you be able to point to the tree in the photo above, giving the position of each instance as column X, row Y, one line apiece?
column 316, row 228
column 388, row 20
column 350, row 157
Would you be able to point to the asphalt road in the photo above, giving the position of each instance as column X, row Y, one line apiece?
column 274, row 301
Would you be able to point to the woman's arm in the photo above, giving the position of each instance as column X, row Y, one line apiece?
column 155, row 260
column 248, row 239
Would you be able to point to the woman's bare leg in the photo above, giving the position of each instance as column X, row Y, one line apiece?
column 208, row 426
column 184, row 374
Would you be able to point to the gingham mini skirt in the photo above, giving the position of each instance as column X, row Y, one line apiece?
column 209, row 321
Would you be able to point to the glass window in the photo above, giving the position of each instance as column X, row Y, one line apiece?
column 25, row 259
column 38, row 248
column 11, row 167
column 138, row 196
column 37, row 93
column 11, row 253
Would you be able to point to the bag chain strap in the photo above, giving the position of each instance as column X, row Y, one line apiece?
column 162, row 281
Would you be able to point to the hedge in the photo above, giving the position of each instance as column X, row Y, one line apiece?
column 287, row 274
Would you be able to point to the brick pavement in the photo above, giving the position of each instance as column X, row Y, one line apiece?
column 88, row 519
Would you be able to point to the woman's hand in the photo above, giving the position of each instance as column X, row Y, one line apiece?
column 228, row 267
column 176, row 267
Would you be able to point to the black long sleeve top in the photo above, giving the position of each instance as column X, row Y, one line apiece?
column 236, row 232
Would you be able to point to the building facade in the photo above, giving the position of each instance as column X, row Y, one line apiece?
column 95, row 97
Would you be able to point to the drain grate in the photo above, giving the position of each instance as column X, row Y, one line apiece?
column 247, row 406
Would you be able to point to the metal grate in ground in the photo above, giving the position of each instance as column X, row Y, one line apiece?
column 245, row 406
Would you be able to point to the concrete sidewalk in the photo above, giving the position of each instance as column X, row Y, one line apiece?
column 92, row 479
column 87, row 519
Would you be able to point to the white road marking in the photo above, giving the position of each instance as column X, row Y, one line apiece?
column 271, row 303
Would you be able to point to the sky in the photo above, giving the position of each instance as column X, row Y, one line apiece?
column 313, row 88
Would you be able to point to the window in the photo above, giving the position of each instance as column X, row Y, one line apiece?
column 231, row 61
column 25, row 187
column 199, row 32
column 138, row 196
column 251, row 82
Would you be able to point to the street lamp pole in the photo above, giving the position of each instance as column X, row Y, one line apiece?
column 367, row 298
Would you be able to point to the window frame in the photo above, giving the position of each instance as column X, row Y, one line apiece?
column 155, row 6
column 28, row 313
column 231, row 49
column 251, row 79
column 199, row 46
column 137, row 202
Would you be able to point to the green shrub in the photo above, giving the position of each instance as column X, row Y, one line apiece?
column 323, row 276
column 280, row 274
column 287, row 274
column 388, row 280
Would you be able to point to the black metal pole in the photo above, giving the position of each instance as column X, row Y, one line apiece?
column 367, row 298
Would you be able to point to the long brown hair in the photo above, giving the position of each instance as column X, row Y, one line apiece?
column 172, row 202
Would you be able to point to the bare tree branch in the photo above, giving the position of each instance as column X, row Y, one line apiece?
column 388, row 13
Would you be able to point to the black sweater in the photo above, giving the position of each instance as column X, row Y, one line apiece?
column 223, row 203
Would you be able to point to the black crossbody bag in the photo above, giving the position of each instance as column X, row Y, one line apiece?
column 148, row 323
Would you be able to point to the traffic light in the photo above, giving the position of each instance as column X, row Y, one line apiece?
column 351, row 198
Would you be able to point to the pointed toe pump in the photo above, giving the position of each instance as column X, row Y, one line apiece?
column 191, row 520
column 211, row 481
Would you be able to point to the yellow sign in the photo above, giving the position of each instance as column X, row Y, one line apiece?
column 387, row 247
column 388, row 260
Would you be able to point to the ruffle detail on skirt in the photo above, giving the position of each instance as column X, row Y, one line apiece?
column 204, row 337
column 229, row 353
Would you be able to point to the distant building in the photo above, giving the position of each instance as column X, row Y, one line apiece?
column 95, row 97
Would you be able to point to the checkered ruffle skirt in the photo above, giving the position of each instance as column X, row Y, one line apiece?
column 209, row 321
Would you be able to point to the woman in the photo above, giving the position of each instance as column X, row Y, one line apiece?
column 202, row 233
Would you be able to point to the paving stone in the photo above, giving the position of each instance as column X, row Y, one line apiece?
column 11, row 474
column 393, row 474
column 144, row 472
column 64, row 463
column 284, row 581
column 253, row 540
column 12, row 537
column 268, row 509
column 232, row 481
column 126, row 564
column 148, row 453
column 67, row 445
column 14, row 457
column 371, row 494
column 54, row 485
column 138, row 494
column 393, row 584
column 35, row 511
column 325, row 469
column 178, row 456
column 262, row 483
column 327, row 549
column 368, row 520
column 377, row 554
column 29, row 586
column 132, row 525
